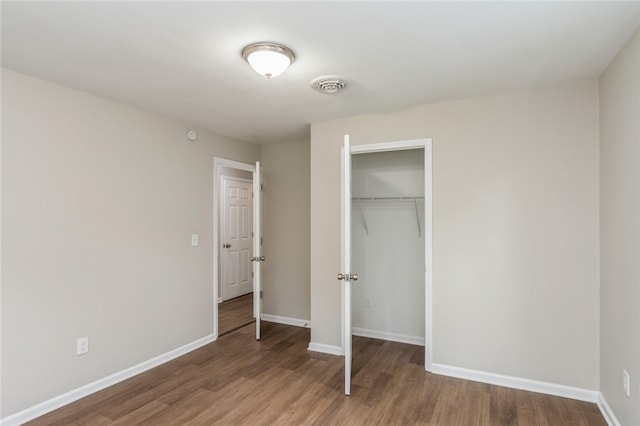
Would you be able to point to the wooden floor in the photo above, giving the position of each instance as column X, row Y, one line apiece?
column 277, row 381
column 235, row 313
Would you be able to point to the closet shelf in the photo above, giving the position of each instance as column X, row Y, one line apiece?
column 364, row 220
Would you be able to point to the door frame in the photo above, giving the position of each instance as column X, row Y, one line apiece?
column 427, row 145
column 218, row 164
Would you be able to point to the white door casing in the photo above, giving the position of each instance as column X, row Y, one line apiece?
column 236, row 241
column 347, row 151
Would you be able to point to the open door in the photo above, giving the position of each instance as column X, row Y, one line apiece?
column 346, row 276
column 257, row 258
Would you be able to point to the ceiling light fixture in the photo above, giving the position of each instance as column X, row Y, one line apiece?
column 268, row 59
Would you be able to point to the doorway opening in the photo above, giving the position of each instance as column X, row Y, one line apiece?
column 235, row 301
column 391, row 187
column 387, row 245
column 236, row 272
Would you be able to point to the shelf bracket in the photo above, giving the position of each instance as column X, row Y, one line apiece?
column 364, row 221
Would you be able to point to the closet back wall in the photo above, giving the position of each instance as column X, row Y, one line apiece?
column 388, row 245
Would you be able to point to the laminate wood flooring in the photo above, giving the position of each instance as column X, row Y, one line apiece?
column 235, row 313
column 277, row 381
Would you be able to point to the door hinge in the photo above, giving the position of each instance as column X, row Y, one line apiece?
column 251, row 274
column 261, row 187
column 260, row 294
column 260, row 240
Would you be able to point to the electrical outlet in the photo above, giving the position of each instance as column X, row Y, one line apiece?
column 626, row 385
column 367, row 301
column 82, row 345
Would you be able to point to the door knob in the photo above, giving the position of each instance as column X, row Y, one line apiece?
column 258, row 259
column 227, row 245
column 347, row 277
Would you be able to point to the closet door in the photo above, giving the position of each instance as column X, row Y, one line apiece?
column 346, row 276
column 257, row 258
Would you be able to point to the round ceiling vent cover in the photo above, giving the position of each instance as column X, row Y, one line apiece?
column 329, row 84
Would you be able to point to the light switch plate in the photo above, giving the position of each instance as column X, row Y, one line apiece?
column 194, row 240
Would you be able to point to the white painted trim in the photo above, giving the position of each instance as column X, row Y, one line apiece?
column 517, row 383
column 218, row 163
column 606, row 411
column 325, row 349
column 389, row 146
column 393, row 337
column 286, row 320
column 88, row 389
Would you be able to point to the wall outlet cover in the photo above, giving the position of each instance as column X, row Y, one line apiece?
column 82, row 345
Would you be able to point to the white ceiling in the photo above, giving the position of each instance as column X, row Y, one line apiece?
column 182, row 59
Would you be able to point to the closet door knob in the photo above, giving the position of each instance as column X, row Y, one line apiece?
column 347, row 277
column 227, row 245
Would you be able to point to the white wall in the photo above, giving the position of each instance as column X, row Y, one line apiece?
column 620, row 231
column 285, row 273
column 515, row 229
column 389, row 259
column 99, row 201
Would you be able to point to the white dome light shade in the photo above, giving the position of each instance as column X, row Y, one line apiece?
column 268, row 59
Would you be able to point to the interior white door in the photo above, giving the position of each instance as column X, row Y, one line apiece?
column 236, row 238
column 346, row 275
column 257, row 258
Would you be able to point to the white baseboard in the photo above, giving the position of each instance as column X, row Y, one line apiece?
column 327, row 349
column 606, row 411
column 517, row 383
column 86, row 390
column 286, row 320
column 401, row 338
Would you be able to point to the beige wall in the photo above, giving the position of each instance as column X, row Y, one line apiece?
column 286, row 229
column 99, row 201
column 620, row 231
column 515, row 229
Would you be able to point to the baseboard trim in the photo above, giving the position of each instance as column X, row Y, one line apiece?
column 393, row 337
column 326, row 349
column 286, row 320
column 606, row 411
column 86, row 390
column 517, row 383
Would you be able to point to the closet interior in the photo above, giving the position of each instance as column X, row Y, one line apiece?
column 388, row 246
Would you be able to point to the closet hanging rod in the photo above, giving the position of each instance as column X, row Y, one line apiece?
column 386, row 198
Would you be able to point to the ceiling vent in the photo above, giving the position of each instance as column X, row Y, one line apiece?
column 329, row 84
